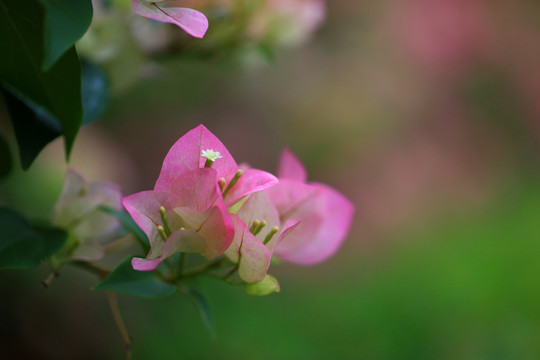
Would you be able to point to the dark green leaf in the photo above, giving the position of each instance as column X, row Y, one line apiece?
column 201, row 304
column 58, row 90
column 22, row 246
column 94, row 90
column 54, row 239
column 66, row 21
column 34, row 127
column 130, row 225
column 145, row 284
column 6, row 163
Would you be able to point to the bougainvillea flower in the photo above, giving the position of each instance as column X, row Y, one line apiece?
column 195, row 149
column 191, row 21
column 77, row 211
column 258, row 231
column 187, row 215
column 325, row 215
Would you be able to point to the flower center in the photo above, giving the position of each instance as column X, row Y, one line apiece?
column 210, row 156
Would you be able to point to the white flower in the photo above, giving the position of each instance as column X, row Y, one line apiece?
column 211, row 154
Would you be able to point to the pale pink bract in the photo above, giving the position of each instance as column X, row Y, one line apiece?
column 77, row 210
column 191, row 21
column 325, row 215
column 197, row 217
column 186, row 154
column 249, row 251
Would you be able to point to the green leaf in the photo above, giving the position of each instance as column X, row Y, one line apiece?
column 66, row 21
column 267, row 286
column 145, row 284
column 130, row 225
column 6, row 163
column 94, row 91
column 201, row 304
column 56, row 91
column 34, row 127
column 22, row 246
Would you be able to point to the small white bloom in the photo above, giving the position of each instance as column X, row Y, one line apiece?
column 211, row 155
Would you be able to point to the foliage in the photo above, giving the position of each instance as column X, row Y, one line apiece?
column 23, row 245
column 53, row 94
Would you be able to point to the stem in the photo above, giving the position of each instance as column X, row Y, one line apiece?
column 227, row 280
column 202, row 268
column 231, row 272
column 113, row 303
column 52, row 276
column 93, row 268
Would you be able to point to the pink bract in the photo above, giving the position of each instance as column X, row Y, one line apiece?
column 191, row 21
column 186, row 155
column 197, row 217
column 325, row 215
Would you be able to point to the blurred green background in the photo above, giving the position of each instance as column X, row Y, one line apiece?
column 426, row 113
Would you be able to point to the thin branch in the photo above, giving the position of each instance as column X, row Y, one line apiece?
column 231, row 272
column 223, row 278
column 52, row 276
column 203, row 268
column 92, row 267
column 113, row 303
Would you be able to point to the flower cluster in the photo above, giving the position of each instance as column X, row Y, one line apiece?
column 203, row 202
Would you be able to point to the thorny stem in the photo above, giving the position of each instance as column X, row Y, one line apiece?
column 113, row 303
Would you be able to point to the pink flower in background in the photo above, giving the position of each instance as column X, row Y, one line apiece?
column 77, row 211
column 325, row 215
column 447, row 35
column 188, row 209
column 258, row 230
column 192, row 21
